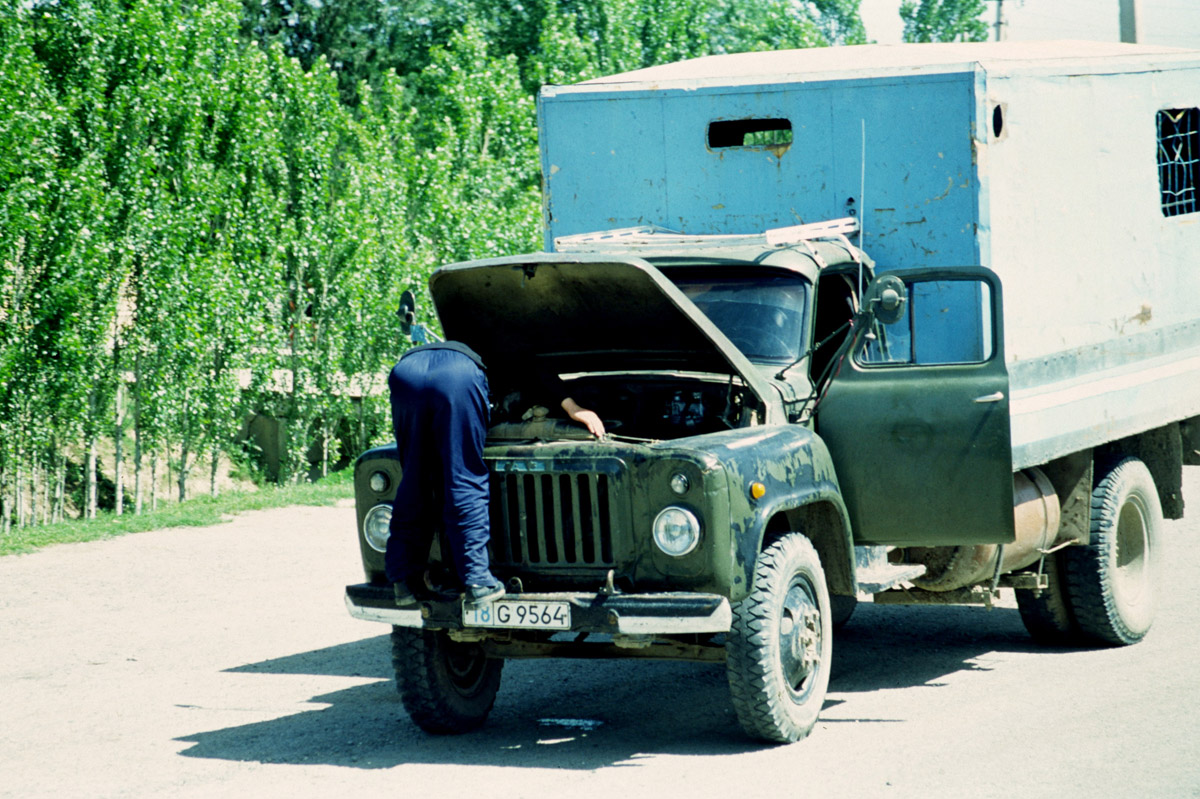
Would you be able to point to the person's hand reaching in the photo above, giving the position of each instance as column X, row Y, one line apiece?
column 583, row 416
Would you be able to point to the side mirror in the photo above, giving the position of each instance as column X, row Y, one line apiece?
column 407, row 311
column 886, row 299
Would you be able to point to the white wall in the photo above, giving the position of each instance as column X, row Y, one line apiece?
column 1173, row 23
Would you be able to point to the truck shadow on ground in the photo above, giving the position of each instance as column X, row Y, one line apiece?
column 592, row 714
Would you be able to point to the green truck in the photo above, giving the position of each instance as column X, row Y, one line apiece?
column 795, row 424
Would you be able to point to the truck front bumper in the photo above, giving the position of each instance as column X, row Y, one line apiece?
column 622, row 614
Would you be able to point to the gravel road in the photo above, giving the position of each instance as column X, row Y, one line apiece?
column 221, row 662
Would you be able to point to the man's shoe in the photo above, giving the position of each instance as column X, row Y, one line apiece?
column 477, row 596
column 405, row 598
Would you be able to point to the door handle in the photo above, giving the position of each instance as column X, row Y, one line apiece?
column 995, row 397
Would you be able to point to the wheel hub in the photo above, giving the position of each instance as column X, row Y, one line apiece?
column 800, row 637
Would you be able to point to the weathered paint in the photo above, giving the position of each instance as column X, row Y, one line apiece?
column 1034, row 159
column 605, row 145
column 790, row 460
column 795, row 467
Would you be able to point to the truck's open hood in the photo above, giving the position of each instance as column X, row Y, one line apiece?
column 582, row 313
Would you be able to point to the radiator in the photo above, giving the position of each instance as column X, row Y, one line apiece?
column 559, row 519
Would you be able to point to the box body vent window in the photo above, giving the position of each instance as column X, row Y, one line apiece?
column 761, row 133
column 1178, row 157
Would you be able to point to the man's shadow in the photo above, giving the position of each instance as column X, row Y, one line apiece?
column 590, row 714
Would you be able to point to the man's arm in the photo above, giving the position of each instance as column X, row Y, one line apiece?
column 583, row 416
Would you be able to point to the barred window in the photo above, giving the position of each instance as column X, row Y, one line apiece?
column 1179, row 160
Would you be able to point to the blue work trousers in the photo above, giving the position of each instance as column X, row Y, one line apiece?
column 440, row 417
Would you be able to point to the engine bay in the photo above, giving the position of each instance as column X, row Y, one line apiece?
column 652, row 407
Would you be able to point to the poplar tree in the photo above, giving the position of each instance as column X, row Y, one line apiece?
column 944, row 20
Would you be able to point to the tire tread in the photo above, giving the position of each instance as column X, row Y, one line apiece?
column 415, row 656
column 749, row 669
column 1088, row 569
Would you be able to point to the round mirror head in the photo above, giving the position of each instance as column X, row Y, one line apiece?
column 886, row 297
column 407, row 311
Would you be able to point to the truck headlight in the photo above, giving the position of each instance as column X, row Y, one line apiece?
column 676, row 531
column 377, row 527
column 379, row 482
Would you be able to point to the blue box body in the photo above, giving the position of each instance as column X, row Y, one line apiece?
column 1036, row 160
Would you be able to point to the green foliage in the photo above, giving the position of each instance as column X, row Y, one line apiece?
column 369, row 40
column 208, row 210
column 944, row 20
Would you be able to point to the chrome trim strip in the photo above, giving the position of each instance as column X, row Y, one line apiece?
column 395, row 616
column 719, row 622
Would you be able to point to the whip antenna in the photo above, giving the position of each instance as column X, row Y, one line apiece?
column 862, row 204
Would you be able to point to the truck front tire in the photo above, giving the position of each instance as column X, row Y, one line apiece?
column 447, row 687
column 779, row 646
column 1110, row 583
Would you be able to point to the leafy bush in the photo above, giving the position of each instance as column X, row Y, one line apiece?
column 208, row 210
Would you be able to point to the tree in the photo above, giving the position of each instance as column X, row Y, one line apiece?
column 944, row 20
column 210, row 208
column 364, row 40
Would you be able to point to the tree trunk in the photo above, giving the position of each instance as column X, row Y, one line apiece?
column 47, row 482
column 90, row 479
column 137, row 435
column 324, row 452
column 137, row 464
column 35, row 492
column 5, row 504
column 183, row 469
column 19, row 491
column 215, row 415
column 60, row 490
column 184, row 444
column 215, row 459
column 291, row 456
column 118, row 459
column 362, row 421
column 154, row 479
column 91, row 490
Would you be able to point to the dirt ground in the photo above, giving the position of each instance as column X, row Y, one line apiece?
column 222, row 662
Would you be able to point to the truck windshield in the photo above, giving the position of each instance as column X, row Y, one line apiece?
column 762, row 314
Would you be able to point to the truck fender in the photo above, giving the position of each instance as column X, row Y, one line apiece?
column 822, row 518
column 799, row 492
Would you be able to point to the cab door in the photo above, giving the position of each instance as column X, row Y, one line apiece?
column 916, row 417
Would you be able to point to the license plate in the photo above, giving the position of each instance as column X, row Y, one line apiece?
column 527, row 614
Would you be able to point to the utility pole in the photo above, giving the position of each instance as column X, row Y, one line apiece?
column 1129, row 20
column 999, row 20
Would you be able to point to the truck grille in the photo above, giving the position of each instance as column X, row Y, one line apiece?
column 559, row 519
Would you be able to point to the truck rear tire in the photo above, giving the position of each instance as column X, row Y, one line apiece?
column 841, row 608
column 1048, row 617
column 1111, row 582
column 779, row 646
column 447, row 687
